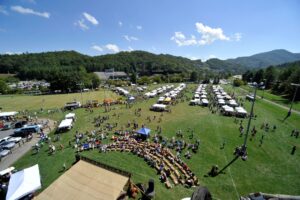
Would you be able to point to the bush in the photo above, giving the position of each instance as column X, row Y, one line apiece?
column 238, row 82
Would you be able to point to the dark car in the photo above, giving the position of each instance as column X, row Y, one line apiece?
column 26, row 130
column 20, row 124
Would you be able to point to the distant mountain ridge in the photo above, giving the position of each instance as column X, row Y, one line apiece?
column 143, row 62
column 263, row 60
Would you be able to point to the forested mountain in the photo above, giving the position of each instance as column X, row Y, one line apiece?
column 144, row 63
column 263, row 60
column 29, row 65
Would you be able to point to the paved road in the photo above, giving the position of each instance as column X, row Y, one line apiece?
column 274, row 103
column 18, row 151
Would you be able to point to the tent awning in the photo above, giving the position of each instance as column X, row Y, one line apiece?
column 65, row 123
column 70, row 116
column 8, row 114
column 85, row 181
column 144, row 131
column 23, row 183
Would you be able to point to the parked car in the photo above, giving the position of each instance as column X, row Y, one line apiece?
column 26, row 130
column 7, row 145
column 20, row 124
column 14, row 139
column 4, row 152
column 6, row 127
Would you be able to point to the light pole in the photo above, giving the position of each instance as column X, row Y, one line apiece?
column 81, row 84
column 242, row 151
column 263, row 87
column 290, row 110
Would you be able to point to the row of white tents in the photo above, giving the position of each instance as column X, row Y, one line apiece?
column 228, row 105
column 67, row 123
column 122, row 91
column 167, row 98
column 237, row 111
column 158, row 91
column 200, row 96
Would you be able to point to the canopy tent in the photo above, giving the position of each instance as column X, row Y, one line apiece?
column 85, row 181
column 66, row 123
column 70, row 116
column 23, row 183
column 233, row 103
column 131, row 98
column 168, row 99
column 144, row 131
column 161, row 106
column 204, row 101
column 107, row 101
column 240, row 110
column 6, row 171
column 195, row 102
column 8, row 114
column 228, row 109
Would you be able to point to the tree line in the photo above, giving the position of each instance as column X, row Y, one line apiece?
column 277, row 79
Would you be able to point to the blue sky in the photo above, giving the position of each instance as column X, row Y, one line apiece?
column 192, row 28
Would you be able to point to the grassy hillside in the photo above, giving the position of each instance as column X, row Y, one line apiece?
column 269, row 168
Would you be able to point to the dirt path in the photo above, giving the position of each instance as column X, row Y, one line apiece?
column 276, row 104
column 19, row 150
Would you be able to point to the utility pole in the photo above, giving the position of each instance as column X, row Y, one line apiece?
column 290, row 110
column 243, row 149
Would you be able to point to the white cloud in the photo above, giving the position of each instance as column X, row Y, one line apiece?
column 112, row 47
column 139, row 27
column 12, row 53
column 181, row 40
column 120, row 23
column 90, row 18
column 26, row 11
column 130, row 48
column 209, row 35
column 130, row 38
column 81, row 24
column 3, row 10
column 97, row 48
column 237, row 37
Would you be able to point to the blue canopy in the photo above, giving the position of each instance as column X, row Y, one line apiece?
column 144, row 131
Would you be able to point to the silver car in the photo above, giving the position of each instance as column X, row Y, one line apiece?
column 4, row 152
column 7, row 145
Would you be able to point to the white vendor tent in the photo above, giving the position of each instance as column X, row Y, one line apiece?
column 228, row 109
column 204, row 101
column 241, row 110
column 232, row 103
column 66, row 123
column 6, row 171
column 8, row 114
column 162, row 106
column 23, row 183
column 70, row 116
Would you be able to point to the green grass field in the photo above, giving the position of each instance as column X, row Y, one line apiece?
column 22, row 102
column 270, row 168
column 275, row 98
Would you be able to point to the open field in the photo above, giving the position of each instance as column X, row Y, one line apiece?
column 22, row 102
column 275, row 98
column 6, row 75
column 269, row 168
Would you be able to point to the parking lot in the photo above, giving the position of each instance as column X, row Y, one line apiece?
column 20, row 149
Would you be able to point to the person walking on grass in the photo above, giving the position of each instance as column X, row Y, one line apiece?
column 293, row 150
